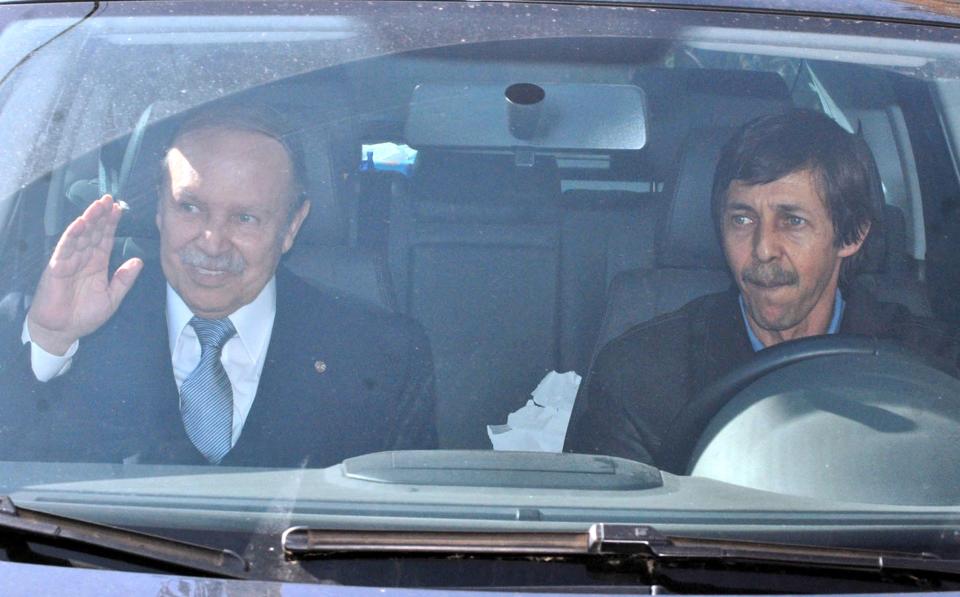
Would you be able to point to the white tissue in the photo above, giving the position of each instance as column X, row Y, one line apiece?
column 541, row 424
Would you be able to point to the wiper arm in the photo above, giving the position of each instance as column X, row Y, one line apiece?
column 131, row 546
column 605, row 540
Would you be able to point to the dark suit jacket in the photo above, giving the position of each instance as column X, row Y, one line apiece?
column 119, row 401
column 641, row 381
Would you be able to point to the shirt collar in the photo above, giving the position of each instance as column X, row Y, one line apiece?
column 253, row 321
column 838, row 306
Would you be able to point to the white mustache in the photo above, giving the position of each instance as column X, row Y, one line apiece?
column 232, row 263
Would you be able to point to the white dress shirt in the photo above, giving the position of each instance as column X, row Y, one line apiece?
column 243, row 355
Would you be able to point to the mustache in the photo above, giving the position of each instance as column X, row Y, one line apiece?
column 232, row 263
column 769, row 275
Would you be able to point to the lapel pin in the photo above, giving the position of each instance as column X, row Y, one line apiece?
column 319, row 366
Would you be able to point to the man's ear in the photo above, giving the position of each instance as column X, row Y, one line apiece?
column 295, row 222
column 852, row 248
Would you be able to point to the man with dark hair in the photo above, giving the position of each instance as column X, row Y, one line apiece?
column 773, row 147
column 794, row 199
column 216, row 354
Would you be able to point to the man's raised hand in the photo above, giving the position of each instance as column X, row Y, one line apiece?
column 76, row 294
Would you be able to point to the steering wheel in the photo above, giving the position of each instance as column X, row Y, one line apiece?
column 685, row 432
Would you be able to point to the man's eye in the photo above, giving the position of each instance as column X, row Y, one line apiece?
column 247, row 219
column 740, row 220
column 189, row 208
column 794, row 221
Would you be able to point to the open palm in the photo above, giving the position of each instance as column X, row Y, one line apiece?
column 76, row 295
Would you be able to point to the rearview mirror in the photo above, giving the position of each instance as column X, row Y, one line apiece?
column 553, row 117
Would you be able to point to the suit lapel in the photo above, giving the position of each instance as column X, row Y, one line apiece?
column 290, row 383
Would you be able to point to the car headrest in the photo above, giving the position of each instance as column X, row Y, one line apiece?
column 327, row 222
column 687, row 238
column 681, row 100
column 483, row 188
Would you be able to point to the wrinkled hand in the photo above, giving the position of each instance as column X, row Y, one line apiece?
column 75, row 295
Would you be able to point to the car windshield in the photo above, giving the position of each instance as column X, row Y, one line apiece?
column 481, row 267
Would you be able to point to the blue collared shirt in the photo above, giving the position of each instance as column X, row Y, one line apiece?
column 833, row 328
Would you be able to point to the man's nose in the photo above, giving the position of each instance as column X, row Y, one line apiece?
column 766, row 243
column 213, row 240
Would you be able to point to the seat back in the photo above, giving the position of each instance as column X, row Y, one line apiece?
column 326, row 252
column 602, row 233
column 474, row 249
column 689, row 260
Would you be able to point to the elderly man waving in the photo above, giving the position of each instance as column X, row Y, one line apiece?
column 216, row 354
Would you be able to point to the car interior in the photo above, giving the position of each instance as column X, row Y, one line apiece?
column 517, row 262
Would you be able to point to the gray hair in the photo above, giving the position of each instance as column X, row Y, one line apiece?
column 255, row 118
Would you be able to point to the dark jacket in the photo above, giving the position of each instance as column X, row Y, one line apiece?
column 339, row 380
column 640, row 381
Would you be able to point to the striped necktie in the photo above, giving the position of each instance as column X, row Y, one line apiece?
column 206, row 398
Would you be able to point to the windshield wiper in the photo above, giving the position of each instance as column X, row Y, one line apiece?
column 19, row 526
column 609, row 540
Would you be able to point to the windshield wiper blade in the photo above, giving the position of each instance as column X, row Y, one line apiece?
column 624, row 539
column 605, row 540
column 131, row 546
